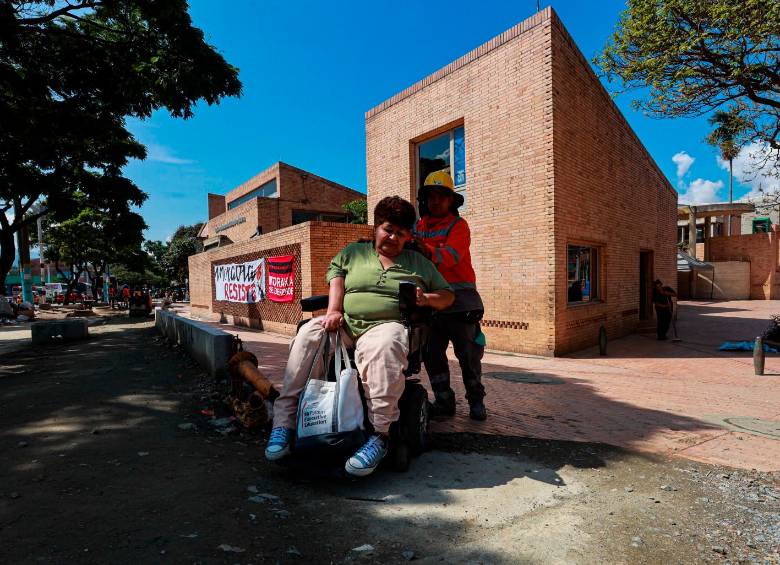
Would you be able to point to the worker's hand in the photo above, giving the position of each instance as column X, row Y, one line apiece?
column 422, row 298
column 332, row 321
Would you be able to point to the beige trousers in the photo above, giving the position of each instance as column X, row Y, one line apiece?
column 380, row 355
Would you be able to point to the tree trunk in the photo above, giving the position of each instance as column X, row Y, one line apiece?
column 731, row 193
column 7, row 254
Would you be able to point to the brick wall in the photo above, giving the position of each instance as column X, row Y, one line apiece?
column 549, row 161
column 301, row 190
column 298, row 190
column 609, row 193
column 501, row 93
column 216, row 205
column 312, row 243
column 761, row 250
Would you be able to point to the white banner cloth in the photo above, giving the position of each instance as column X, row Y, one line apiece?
column 240, row 282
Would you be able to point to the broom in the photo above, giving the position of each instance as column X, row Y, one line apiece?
column 674, row 320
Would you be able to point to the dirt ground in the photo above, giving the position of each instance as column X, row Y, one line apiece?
column 105, row 456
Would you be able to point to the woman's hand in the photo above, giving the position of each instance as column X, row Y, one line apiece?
column 422, row 299
column 438, row 300
column 332, row 321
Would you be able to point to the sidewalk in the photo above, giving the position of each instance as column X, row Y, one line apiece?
column 671, row 398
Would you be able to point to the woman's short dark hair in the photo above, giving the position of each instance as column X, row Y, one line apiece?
column 395, row 210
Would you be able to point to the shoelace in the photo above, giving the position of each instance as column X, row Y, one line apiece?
column 278, row 435
column 372, row 449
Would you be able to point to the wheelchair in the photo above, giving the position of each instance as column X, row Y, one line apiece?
column 409, row 434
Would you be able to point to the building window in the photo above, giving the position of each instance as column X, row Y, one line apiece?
column 582, row 273
column 300, row 216
column 445, row 152
column 761, row 225
column 267, row 190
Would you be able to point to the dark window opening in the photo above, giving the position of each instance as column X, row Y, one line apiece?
column 267, row 190
column 300, row 216
column 445, row 152
column 582, row 273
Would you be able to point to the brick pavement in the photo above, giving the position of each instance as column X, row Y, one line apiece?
column 667, row 398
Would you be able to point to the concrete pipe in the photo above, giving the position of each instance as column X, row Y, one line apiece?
column 243, row 365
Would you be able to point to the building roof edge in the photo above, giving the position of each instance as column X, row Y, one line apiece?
column 537, row 19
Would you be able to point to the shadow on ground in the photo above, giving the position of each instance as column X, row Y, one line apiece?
column 94, row 467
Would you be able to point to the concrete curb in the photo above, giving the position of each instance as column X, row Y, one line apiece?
column 208, row 346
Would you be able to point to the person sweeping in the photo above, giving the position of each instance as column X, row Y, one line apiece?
column 444, row 238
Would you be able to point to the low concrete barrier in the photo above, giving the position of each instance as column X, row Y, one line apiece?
column 210, row 347
column 68, row 330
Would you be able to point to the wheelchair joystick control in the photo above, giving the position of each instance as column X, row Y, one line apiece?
column 407, row 297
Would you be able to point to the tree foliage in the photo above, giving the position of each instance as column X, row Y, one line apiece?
column 357, row 210
column 183, row 243
column 70, row 73
column 87, row 242
column 694, row 56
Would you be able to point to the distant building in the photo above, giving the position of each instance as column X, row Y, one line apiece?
column 276, row 198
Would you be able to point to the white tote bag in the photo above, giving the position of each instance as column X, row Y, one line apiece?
column 328, row 409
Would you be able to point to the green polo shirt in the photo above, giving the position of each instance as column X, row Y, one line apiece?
column 371, row 291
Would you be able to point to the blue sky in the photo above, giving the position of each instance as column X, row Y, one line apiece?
column 310, row 71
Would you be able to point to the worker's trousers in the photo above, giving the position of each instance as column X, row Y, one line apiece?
column 380, row 356
column 463, row 334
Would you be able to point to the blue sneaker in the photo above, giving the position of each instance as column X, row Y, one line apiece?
column 367, row 458
column 278, row 444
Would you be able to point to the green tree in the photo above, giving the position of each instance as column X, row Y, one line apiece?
column 70, row 73
column 357, row 210
column 184, row 243
column 87, row 242
column 729, row 127
column 690, row 57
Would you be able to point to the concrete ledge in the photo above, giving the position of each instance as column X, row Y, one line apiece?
column 68, row 330
column 208, row 346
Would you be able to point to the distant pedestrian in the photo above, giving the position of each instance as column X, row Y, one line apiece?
column 664, row 306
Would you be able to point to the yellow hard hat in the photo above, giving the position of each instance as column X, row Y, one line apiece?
column 440, row 179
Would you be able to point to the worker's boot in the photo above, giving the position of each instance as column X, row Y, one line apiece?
column 444, row 404
column 477, row 410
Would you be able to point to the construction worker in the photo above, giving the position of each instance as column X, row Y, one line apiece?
column 444, row 237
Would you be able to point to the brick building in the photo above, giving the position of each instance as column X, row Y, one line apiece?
column 276, row 198
column 281, row 212
column 571, row 218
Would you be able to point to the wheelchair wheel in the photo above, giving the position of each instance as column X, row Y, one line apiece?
column 414, row 418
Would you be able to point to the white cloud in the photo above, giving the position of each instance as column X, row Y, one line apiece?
column 162, row 154
column 683, row 162
column 752, row 170
column 701, row 191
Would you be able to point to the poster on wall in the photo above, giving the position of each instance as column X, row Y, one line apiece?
column 281, row 279
column 240, row 282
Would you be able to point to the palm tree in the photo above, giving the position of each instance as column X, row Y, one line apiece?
column 729, row 127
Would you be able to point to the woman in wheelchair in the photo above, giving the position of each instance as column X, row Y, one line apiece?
column 364, row 281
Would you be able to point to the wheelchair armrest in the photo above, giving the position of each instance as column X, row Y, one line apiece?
column 314, row 303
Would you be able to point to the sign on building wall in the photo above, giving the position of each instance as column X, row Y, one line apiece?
column 281, row 278
column 240, row 282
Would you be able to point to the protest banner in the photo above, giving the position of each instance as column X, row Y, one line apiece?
column 240, row 282
column 281, row 279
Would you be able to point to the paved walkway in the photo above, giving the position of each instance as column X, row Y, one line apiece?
column 673, row 398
